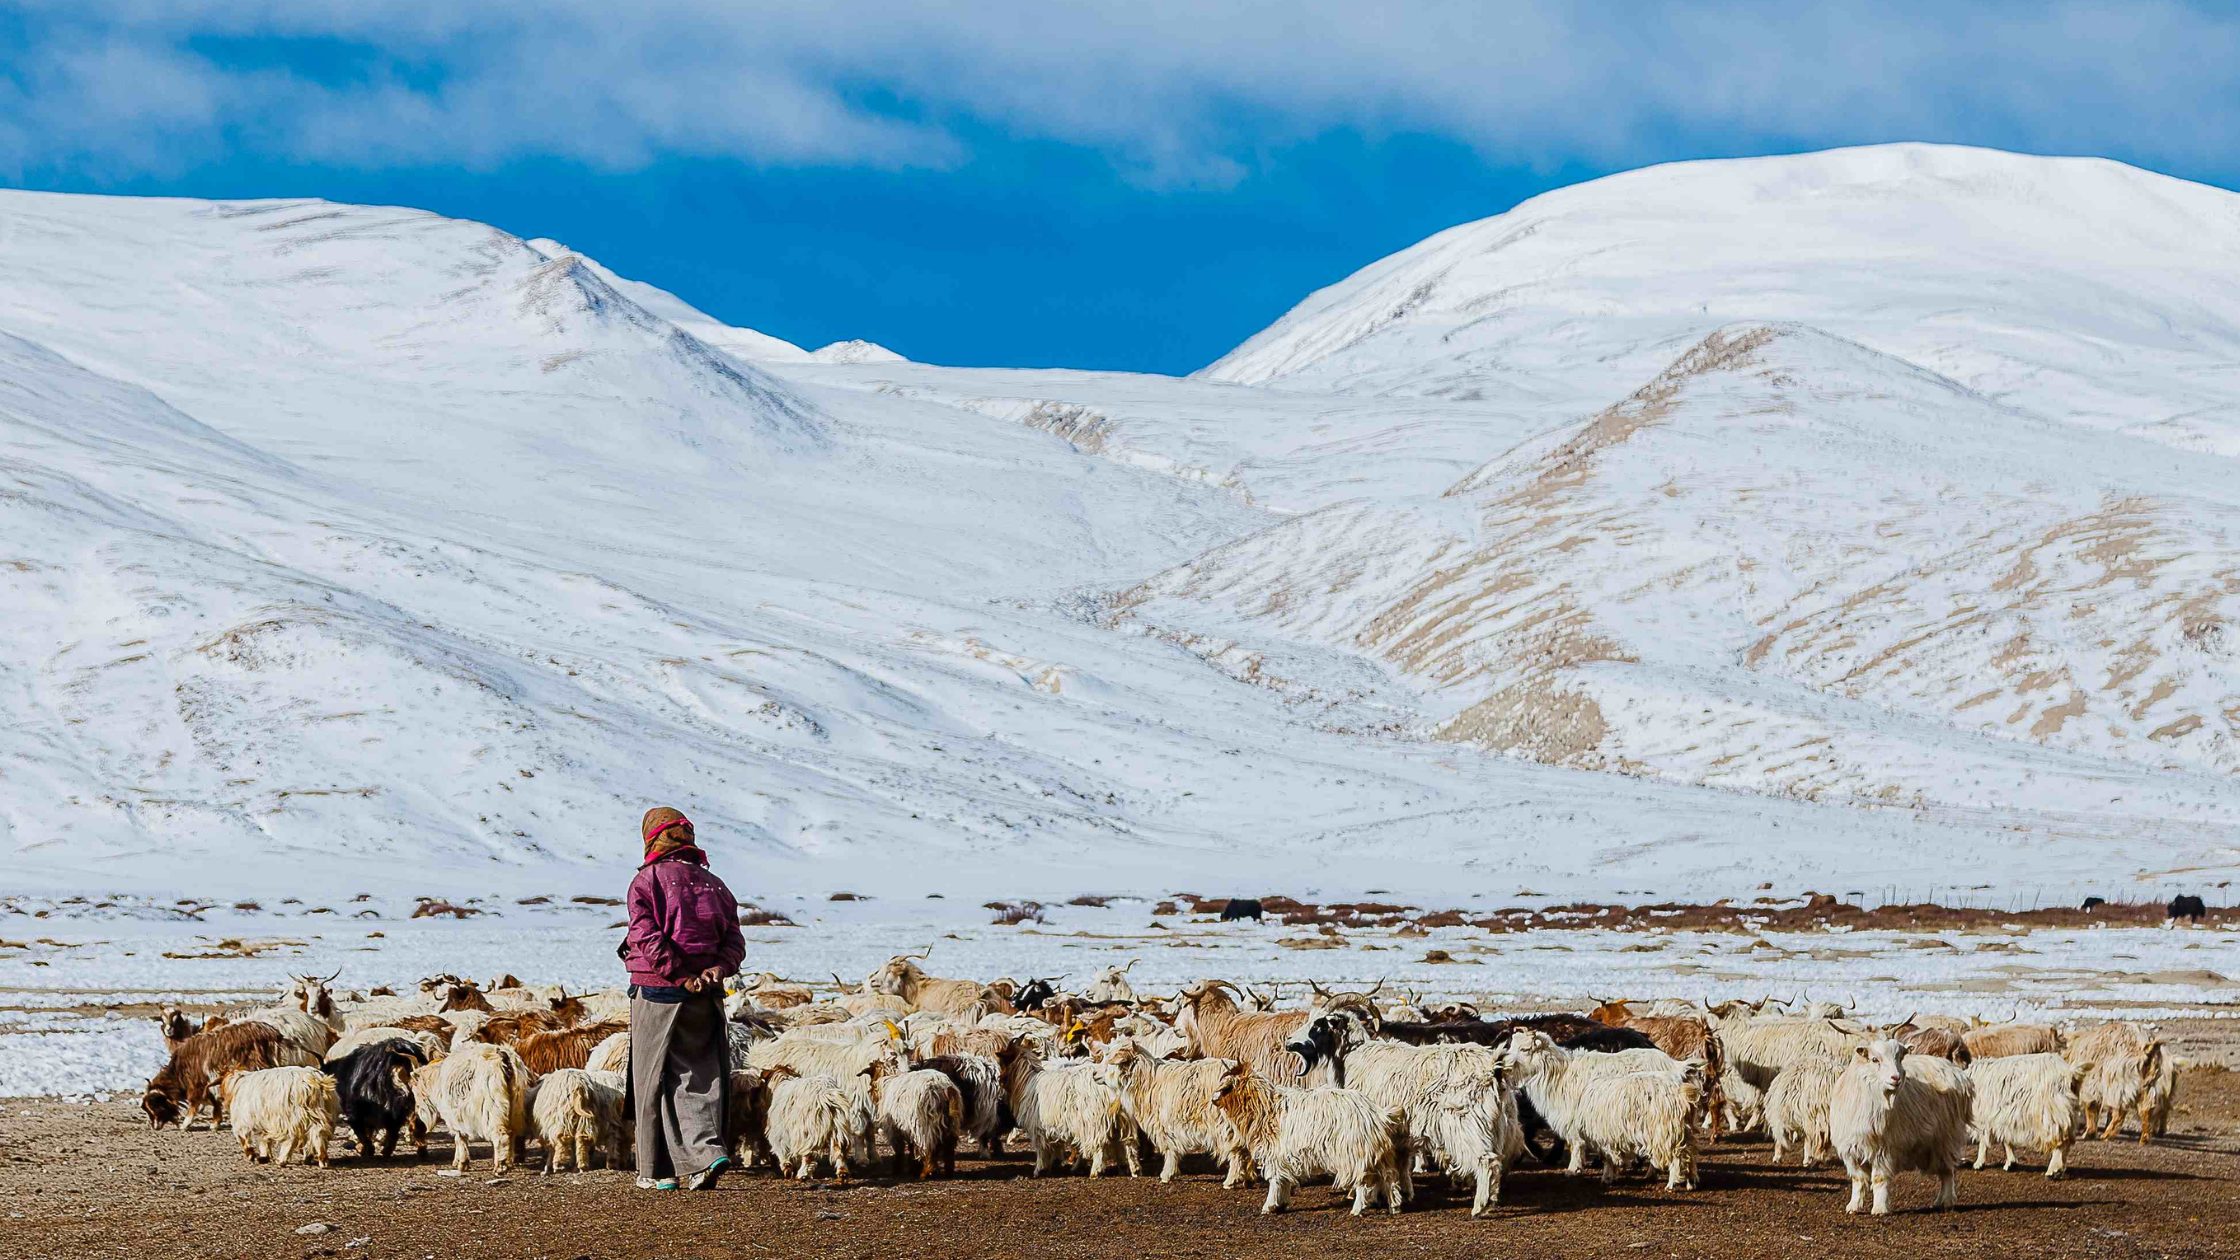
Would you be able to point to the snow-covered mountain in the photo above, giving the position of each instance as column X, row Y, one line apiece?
column 2073, row 288
column 1856, row 519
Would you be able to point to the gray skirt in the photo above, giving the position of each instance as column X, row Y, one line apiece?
column 680, row 1085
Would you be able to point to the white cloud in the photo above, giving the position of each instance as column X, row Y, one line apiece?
column 1172, row 90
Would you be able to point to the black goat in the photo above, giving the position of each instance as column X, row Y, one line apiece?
column 1241, row 908
column 375, row 1082
column 1036, row 993
column 2187, row 906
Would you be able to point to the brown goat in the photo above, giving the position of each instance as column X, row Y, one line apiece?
column 1941, row 1043
column 510, row 1028
column 1218, row 1030
column 570, row 1011
column 175, row 1028
column 567, row 1047
column 189, row 1081
column 1685, row 1037
column 443, row 1029
column 1997, row 1041
column 465, row 997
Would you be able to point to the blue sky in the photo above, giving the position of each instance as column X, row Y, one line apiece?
column 1133, row 186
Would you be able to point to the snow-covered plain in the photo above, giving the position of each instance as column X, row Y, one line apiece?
column 1851, row 520
column 64, row 1040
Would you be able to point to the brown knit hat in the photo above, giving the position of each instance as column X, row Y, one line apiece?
column 666, row 827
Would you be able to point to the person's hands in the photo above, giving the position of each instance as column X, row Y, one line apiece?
column 692, row 984
column 712, row 978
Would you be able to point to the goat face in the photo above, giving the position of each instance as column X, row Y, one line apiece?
column 900, row 978
column 1888, row 1059
column 1326, row 1037
column 1036, row 993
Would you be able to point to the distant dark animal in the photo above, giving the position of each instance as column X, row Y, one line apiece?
column 375, row 1084
column 2187, row 906
column 2090, row 902
column 1035, row 993
column 1241, row 908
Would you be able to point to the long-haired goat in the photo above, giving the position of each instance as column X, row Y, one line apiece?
column 1891, row 1113
column 807, row 1118
column 1633, row 1103
column 1070, row 1109
column 2027, row 1100
column 901, row 977
column 987, row 1113
column 481, row 1093
column 188, row 1081
column 279, row 1112
column 374, row 1083
column 1458, row 1106
column 921, row 1112
column 1172, row 1104
column 1295, row 1134
column 572, row 1113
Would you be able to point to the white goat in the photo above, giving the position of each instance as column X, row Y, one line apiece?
column 279, row 1111
column 309, row 1033
column 807, row 1118
column 1458, row 1105
column 1111, row 985
column 481, row 1093
column 1894, row 1113
column 358, row 1038
column 571, row 1114
column 611, row 1055
column 921, row 1113
column 1796, row 1107
column 2027, row 1100
column 1172, row 1104
column 1295, row 1134
column 1624, row 1105
column 1072, row 1109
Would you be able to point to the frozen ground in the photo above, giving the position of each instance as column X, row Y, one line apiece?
column 64, row 980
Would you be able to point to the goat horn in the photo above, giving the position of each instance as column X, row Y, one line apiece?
column 1319, row 990
column 1907, row 1021
column 1854, row 1003
column 1131, row 965
column 337, row 971
column 1377, row 988
column 927, row 952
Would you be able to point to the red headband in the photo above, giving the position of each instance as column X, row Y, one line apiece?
column 656, row 833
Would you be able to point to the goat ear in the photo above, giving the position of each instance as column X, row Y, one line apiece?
column 1861, row 1051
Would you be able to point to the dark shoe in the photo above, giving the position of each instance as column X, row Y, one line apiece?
column 707, row 1177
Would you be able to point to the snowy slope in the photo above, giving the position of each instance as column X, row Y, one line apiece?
column 364, row 546
column 1791, row 565
column 2077, row 289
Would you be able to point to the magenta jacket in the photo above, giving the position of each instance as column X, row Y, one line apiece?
column 682, row 921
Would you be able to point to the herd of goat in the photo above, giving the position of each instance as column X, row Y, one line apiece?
column 1364, row 1093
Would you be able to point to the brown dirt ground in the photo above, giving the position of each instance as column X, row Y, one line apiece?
column 84, row 1181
